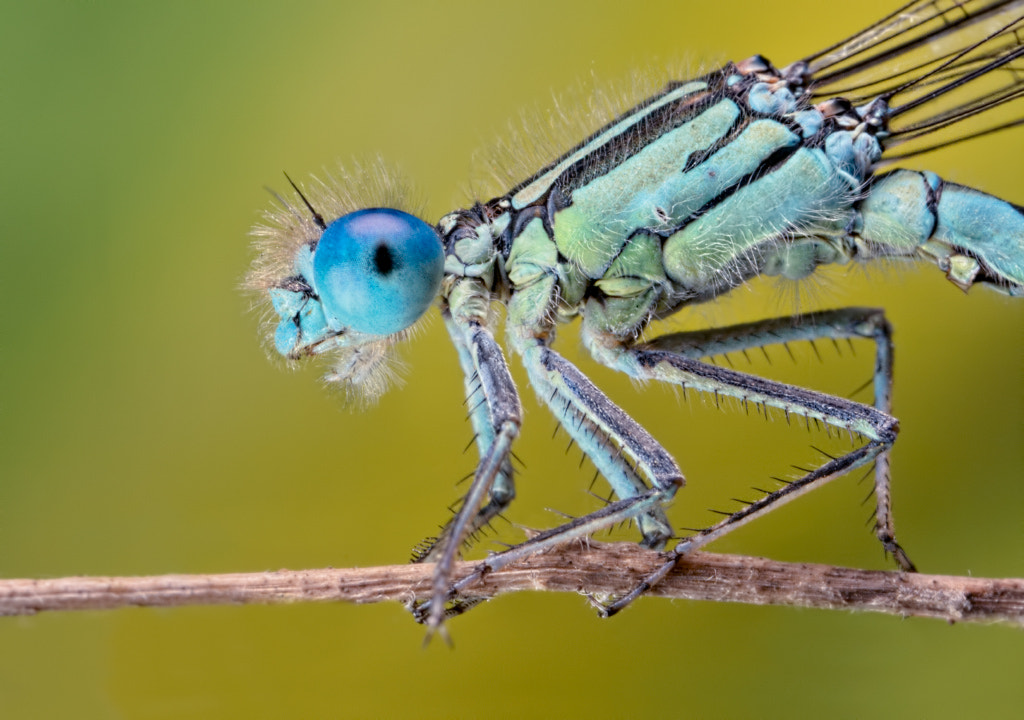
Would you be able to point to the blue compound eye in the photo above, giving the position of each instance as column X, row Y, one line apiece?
column 377, row 271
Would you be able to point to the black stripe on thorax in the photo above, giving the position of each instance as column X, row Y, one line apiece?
column 776, row 160
column 635, row 138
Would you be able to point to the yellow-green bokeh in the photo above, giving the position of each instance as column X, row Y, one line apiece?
column 143, row 431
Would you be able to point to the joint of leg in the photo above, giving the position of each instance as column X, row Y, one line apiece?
column 874, row 324
column 509, row 429
column 656, row 532
column 888, row 433
column 502, row 494
column 898, row 553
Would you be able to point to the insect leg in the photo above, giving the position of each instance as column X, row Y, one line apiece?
column 504, row 414
column 673, row 358
column 619, row 447
column 502, row 490
column 839, row 324
column 830, row 470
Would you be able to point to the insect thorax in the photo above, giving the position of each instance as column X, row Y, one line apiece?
column 690, row 194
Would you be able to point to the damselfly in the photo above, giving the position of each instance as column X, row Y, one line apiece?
column 748, row 170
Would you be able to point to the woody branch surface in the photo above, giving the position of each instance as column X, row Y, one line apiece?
column 597, row 568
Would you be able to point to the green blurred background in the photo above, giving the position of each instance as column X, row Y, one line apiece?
column 143, row 431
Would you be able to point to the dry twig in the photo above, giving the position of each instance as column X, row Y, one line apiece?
column 597, row 568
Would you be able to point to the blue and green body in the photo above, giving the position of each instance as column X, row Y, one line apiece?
column 746, row 171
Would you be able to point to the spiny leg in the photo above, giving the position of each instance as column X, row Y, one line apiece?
column 830, row 470
column 549, row 369
column 838, row 324
column 502, row 490
column 623, row 509
column 608, row 436
column 504, row 414
column 618, row 446
column 671, row 359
